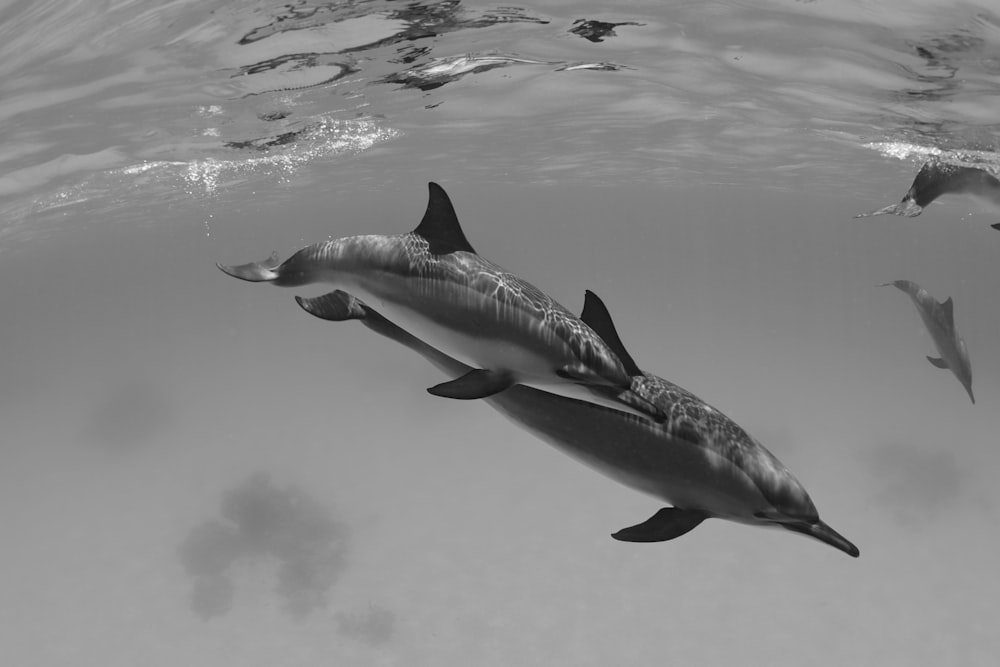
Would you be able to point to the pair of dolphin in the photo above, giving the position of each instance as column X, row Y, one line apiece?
column 670, row 444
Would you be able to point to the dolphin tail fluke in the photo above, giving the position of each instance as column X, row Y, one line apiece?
column 478, row 383
column 907, row 208
column 255, row 272
column 824, row 533
column 938, row 362
column 907, row 286
column 336, row 306
column 667, row 524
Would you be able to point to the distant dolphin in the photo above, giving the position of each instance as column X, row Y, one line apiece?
column 937, row 178
column 434, row 281
column 697, row 459
column 940, row 322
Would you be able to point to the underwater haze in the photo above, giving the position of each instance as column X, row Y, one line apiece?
column 196, row 472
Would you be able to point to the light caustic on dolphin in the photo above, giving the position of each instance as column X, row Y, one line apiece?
column 696, row 459
column 940, row 178
column 939, row 319
column 435, row 284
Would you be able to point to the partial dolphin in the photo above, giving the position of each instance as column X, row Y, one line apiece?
column 433, row 281
column 940, row 322
column 697, row 459
column 938, row 178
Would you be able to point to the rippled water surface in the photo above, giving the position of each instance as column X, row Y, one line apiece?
column 195, row 472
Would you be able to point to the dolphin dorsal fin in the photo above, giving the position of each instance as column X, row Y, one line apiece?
column 596, row 316
column 439, row 226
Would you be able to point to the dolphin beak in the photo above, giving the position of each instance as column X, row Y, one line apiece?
column 824, row 533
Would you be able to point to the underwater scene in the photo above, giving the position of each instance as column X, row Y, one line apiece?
column 374, row 332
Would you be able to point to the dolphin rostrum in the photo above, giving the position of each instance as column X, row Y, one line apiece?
column 940, row 178
column 940, row 322
column 696, row 459
column 432, row 280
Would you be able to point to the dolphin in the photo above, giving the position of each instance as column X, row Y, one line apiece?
column 940, row 322
column 938, row 178
column 434, row 281
column 697, row 460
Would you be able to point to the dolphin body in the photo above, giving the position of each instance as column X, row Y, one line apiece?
column 940, row 322
column 696, row 459
column 938, row 178
column 435, row 282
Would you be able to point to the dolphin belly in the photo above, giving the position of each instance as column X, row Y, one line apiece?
column 641, row 455
column 469, row 325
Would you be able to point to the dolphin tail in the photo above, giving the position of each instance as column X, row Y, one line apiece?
column 907, row 208
column 666, row 524
column 824, row 533
column 996, row 225
column 255, row 272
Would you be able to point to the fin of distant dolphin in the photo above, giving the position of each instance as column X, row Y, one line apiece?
column 255, row 272
column 938, row 362
column 439, row 226
column 596, row 316
column 479, row 383
column 668, row 523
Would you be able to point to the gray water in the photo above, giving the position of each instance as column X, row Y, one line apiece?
column 195, row 472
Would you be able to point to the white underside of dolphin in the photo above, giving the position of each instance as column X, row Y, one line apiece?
column 432, row 282
column 696, row 459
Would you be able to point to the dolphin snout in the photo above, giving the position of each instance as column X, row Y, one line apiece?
column 824, row 533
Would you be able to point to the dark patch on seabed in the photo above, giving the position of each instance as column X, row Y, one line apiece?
column 305, row 540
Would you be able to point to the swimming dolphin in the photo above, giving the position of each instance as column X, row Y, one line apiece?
column 434, row 281
column 940, row 323
column 938, row 178
column 697, row 459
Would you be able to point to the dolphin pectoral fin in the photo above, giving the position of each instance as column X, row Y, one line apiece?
column 667, row 524
column 336, row 306
column 478, row 383
column 938, row 362
column 255, row 272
